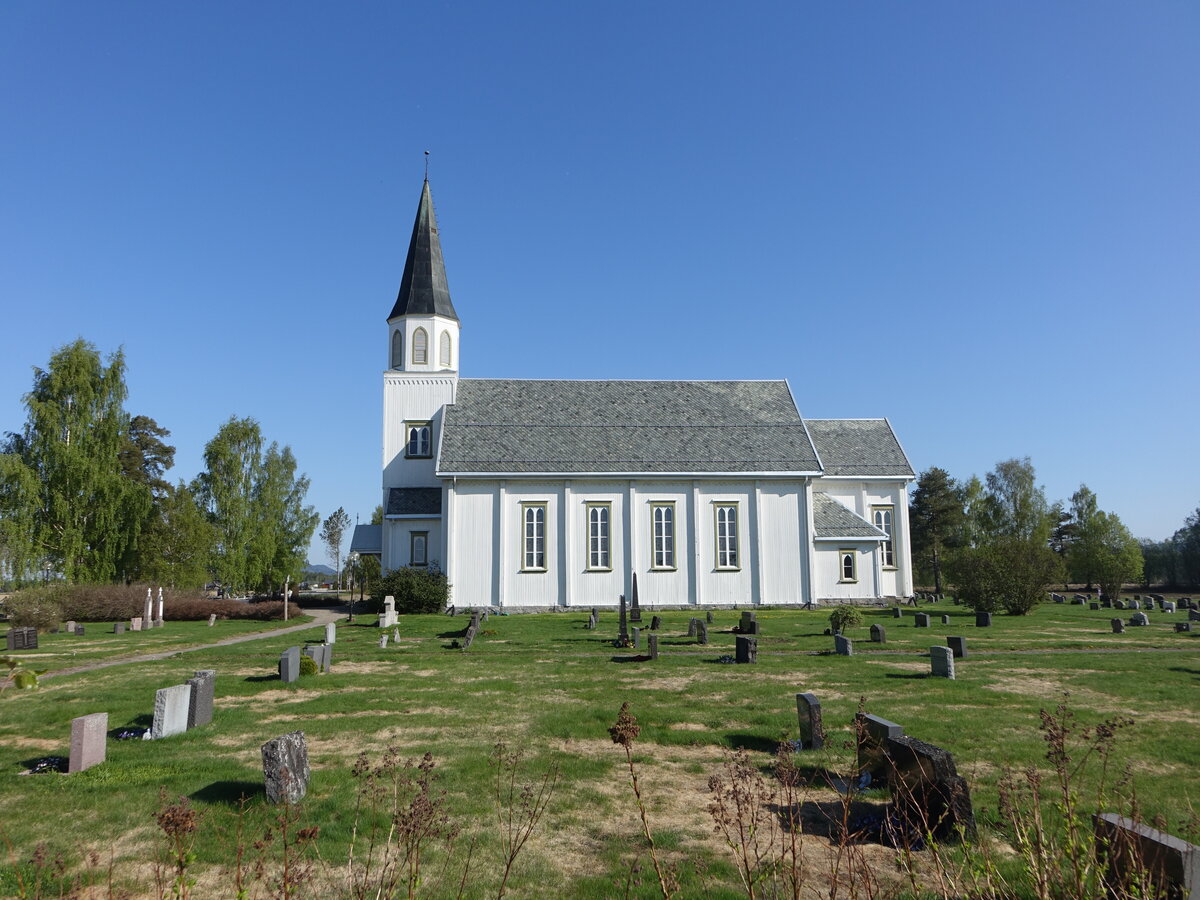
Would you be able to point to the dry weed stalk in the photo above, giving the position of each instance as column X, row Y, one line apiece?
column 178, row 822
column 519, row 805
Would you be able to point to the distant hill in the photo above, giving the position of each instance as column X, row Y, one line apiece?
column 318, row 569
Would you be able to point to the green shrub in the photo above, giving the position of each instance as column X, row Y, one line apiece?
column 417, row 590
column 308, row 665
column 1006, row 573
column 39, row 607
column 845, row 617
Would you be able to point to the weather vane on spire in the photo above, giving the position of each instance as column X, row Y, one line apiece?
column 426, row 165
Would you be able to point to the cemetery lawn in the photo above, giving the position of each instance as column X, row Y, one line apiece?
column 546, row 686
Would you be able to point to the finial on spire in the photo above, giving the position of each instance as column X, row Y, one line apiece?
column 426, row 165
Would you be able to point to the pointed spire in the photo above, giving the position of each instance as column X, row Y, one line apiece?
column 423, row 287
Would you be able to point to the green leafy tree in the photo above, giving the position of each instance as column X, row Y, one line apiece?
column 377, row 515
column 1084, row 545
column 1186, row 542
column 20, row 497
column 290, row 522
column 86, row 516
column 1116, row 554
column 178, row 545
column 226, row 489
column 937, row 519
column 418, row 590
column 1013, row 503
column 1007, row 573
column 1160, row 563
column 333, row 529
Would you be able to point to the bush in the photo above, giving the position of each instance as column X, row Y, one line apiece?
column 37, row 607
column 1006, row 573
column 308, row 666
column 417, row 590
column 844, row 617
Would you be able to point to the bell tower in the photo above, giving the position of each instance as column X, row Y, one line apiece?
column 420, row 379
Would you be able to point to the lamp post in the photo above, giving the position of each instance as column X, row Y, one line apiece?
column 354, row 568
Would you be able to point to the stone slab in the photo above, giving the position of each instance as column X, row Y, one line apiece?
column 1130, row 850
column 747, row 649
column 285, row 768
column 171, row 706
column 808, row 715
column 89, row 736
column 941, row 662
column 958, row 645
column 872, row 734
column 289, row 664
column 842, row 645
column 204, row 688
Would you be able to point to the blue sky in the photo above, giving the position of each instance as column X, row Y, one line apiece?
column 980, row 220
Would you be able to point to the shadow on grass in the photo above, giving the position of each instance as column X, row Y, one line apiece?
column 911, row 676
column 229, row 792
column 751, row 742
column 258, row 678
column 1185, row 671
column 628, row 659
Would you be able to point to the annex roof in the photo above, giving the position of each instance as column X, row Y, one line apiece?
column 367, row 539
column 862, row 447
column 424, row 290
column 617, row 427
column 834, row 521
column 414, row 501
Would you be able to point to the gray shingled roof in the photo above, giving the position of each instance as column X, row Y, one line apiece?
column 367, row 539
column 414, row 501
column 832, row 520
column 859, row 447
column 424, row 290
column 528, row 426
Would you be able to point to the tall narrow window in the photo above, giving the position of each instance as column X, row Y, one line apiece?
column 533, row 517
column 398, row 349
column 444, row 350
column 419, row 443
column 883, row 521
column 848, row 560
column 598, row 516
column 418, row 548
column 420, row 354
column 727, row 536
column 662, row 518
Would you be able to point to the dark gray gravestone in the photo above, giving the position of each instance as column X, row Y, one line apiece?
column 316, row 652
column 1139, row 618
column 23, row 638
column 118, row 628
column 635, row 611
column 958, row 645
column 748, row 623
column 200, row 709
column 285, row 768
column 652, row 644
column 693, row 622
column 842, row 645
column 708, row 617
column 88, row 736
column 928, row 795
column 1093, row 605
column 655, row 623
column 1133, row 604
column 941, row 662
column 78, row 631
column 1133, row 853
column 1118, row 626
column 808, row 714
column 1182, row 627
column 921, row 620
column 636, row 636
column 872, row 733
column 1106, row 603
column 897, row 612
column 983, row 620
column 623, row 625
column 747, row 649
column 701, row 632
column 1118, row 604
column 1194, row 615
column 945, row 620
column 878, row 634
column 289, row 664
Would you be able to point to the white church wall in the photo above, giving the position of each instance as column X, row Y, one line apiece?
column 397, row 534
column 829, row 583
column 409, row 398
column 716, row 584
column 662, row 586
column 781, row 542
column 585, row 585
column 474, row 545
column 521, row 586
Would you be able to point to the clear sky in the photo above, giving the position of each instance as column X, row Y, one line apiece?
column 980, row 220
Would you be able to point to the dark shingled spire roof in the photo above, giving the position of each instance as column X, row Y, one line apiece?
column 423, row 288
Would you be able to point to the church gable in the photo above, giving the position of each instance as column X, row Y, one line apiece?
column 624, row 427
column 859, row 448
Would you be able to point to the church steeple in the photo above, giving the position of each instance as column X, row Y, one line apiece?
column 423, row 287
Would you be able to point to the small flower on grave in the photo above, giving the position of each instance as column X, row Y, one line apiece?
column 131, row 734
column 726, row 660
column 47, row 764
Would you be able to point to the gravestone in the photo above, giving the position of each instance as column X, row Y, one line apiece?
column 878, row 634
column 747, row 649
column 317, row 653
column 289, row 664
column 148, row 611
column 1093, row 605
column 635, row 609
column 1168, row 606
column 921, row 620
column 983, row 620
column 652, row 643
column 118, row 627
column 1139, row 618
column 71, row 627
column 24, row 638
column 708, row 617
column 331, row 633
column 395, row 635
column 1133, row 604
column 1058, row 598
column 383, row 639
column 623, row 624
column 135, row 624
column 200, row 707
column 387, row 618
column 212, row 619
column 748, row 624
column 170, row 711
column 872, row 733
column 285, row 768
column 842, row 645
column 701, row 632
column 78, row 631
column 928, row 794
column 88, row 736
column 1181, row 627
column 692, row 623
column 1118, row 604
column 655, row 623
column 1194, row 615
column 958, row 645
column 1132, row 852
column 945, row 620
column 808, row 714
column 635, row 635
column 1106, row 603
column 897, row 612
column 1118, row 626
column 941, row 662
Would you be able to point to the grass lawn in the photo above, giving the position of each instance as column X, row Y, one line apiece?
column 545, row 685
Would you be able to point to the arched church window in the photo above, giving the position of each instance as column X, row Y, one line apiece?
column 398, row 349
column 419, row 443
column 420, row 354
column 444, row 350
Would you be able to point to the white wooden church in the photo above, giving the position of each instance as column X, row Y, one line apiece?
column 553, row 493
